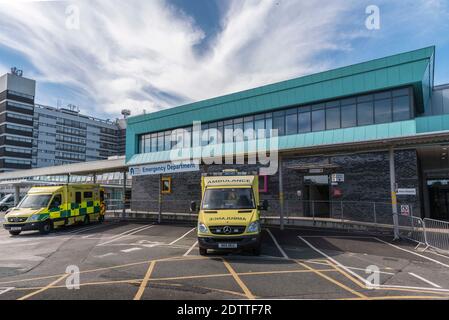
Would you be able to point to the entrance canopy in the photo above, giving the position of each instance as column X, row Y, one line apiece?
column 113, row 164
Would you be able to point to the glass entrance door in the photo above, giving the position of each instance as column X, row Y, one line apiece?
column 439, row 199
column 317, row 196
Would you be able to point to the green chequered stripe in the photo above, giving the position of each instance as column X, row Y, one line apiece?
column 86, row 207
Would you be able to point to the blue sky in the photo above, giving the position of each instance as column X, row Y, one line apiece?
column 148, row 55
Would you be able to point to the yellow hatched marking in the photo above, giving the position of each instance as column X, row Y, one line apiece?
column 239, row 281
column 341, row 285
column 44, row 288
column 363, row 286
column 144, row 283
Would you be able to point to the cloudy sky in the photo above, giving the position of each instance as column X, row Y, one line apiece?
column 106, row 55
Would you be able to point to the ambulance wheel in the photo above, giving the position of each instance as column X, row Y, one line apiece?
column 86, row 219
column 14, row 233
column 46, row 227
column 203, row 252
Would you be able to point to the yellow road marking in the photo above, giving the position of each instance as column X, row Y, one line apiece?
column 144, row 283
column 239, row 281
column 341, row 285
column 414, row 290
column 108, row 268
column 225, row 291
column 363, row 286
column 181, row 278
column 44, row 288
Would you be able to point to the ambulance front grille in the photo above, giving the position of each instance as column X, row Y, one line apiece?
column 227, row 229
column 17, row 219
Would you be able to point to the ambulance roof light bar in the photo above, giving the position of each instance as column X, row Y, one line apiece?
column 229, row 172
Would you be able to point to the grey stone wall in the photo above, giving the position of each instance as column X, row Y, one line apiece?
column 366, row 181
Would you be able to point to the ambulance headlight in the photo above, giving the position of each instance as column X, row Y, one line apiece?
column 202, row 228
column 34, row 217
column 254, row 227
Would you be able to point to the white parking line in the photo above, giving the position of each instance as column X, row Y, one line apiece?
column 4, row 290
column 364, row 281
column 105, row 255
column 181, row 237
column 131, row 250
column 190, row 249
column 125, row 234
column 424, row 280
column 277, row 244
column 414, row 253
column 352, row 268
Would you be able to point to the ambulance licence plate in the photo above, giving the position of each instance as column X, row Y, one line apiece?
column 16, row 228
column 227, row 245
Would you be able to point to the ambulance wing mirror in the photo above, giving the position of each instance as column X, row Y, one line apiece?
column 264, row 205
column 193, row 206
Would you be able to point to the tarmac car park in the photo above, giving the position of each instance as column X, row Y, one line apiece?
column 144, row 260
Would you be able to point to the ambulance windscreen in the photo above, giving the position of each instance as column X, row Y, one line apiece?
column 35, row 201
column 228, row 199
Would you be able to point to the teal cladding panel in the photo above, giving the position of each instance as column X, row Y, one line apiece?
column 403, row 69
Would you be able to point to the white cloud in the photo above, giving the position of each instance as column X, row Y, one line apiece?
column 3, row 69
column 141, row 54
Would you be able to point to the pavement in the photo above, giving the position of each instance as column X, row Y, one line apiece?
column 131, row 260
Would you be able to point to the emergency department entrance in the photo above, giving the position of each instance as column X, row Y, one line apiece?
column 316, row 195
column 435, row 180
column 439, row 198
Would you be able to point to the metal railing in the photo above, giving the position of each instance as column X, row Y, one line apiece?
column 376, row 213
column 370, row 213
column 412, row 228
column 437, row 234
column 429, row 232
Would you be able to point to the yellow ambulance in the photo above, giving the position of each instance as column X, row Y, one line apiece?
column 229, row 214
column 45, row 208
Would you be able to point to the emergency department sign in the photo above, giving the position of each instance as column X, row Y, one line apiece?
column 163, row 168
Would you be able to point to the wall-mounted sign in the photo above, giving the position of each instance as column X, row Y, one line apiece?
column 336, row 192
column 338, row 177
column 163, row 168
column 406, row 192
column 405, row 209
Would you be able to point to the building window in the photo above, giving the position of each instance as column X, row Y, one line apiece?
column 279, row 122
column 166, row 185
column 365, row 110
column 333, row 118
column 348, row 116
column 160, row 141
column 318, row 118
column 154, row 142
column 362, row 110
column 304, row 122
column 401, row 108
column 259, row 126
column 291, row 122
column 382, row 111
